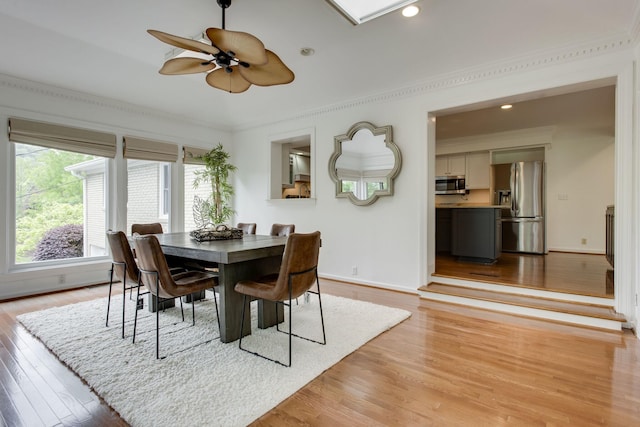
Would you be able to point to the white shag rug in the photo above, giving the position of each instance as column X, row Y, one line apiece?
column 201, row 381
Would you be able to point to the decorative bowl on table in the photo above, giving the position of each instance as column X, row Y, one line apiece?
column 220, row 232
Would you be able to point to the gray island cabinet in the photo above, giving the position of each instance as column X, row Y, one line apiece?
column 476, row 233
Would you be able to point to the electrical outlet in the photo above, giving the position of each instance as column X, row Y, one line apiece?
column 354, row 270
column 583, row 241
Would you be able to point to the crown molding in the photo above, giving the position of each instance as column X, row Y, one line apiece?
column 42, row 89
column 492, row 70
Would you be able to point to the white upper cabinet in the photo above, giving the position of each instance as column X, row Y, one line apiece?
column 453, row 164
column 478, row 170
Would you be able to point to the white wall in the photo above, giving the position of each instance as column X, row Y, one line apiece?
column 580, row 166
column 388, row 241
column 382, row 240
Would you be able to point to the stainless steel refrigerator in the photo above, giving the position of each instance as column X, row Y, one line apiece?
column 523, row 223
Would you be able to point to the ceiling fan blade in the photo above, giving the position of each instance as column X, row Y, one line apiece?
column 186, row 66
column 183, row 42
column 245, row 46
column 274, row 72
column 232, row 82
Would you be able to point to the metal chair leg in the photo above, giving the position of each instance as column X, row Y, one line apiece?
column 135, row 319
column 215, row 302
column 109, row 299
column 193, row 311
column 124, row 292
column 157, row 327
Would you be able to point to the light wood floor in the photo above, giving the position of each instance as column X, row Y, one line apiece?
column 445, row 365
column 584, row 274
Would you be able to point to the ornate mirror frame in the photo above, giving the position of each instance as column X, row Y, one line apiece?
column 387, row 131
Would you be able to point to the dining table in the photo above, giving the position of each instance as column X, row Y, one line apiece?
column 246, row 258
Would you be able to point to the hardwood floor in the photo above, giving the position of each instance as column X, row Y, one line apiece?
column 445, row 365
column 584, row 274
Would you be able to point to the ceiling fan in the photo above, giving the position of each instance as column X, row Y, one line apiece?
column 238, row 59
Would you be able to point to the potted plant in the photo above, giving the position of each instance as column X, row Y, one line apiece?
column 215, row 210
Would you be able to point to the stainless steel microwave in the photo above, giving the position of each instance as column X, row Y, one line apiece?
column 450, row 184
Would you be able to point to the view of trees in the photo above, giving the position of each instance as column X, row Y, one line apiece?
column 47, row 197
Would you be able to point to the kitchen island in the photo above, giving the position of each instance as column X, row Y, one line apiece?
column 471, row 232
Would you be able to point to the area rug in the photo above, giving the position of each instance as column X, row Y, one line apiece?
column 201, row 381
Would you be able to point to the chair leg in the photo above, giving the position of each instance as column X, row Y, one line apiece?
column 135, row 319
column 181, row 308
column 124, row 292
column 109, row 299
column 157, row 298
column 215, row 302
column 244, row 306
column 324, row 336
column 193, row 311
column 290, row 325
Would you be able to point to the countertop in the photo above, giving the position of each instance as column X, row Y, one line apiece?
column 470, row 205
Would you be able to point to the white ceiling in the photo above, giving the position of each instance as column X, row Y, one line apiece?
column 102, row 47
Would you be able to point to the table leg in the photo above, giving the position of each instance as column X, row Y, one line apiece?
column 230, row 302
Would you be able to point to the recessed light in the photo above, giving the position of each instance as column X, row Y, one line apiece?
column 506, row 106
column 307, row 51
column 410, row 11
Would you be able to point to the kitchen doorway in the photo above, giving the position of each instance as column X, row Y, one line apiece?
column 575, row 262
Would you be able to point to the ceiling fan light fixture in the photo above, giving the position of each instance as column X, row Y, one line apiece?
column 225, row 52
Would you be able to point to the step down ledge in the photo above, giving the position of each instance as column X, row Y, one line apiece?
column 519, row 290
column 594, row 322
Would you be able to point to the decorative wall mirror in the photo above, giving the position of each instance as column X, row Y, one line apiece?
column 364, row 163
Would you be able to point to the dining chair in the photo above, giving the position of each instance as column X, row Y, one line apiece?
column 282, row 229
column 156, row 277
column 123, row 266
column 152, row 228
column 298, row 273
column 247, row 227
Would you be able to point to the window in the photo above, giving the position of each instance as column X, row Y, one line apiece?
column 203, row 191
column 148, row 180
column 165, row 191
column 59, row 204
column 59, row 175
column 148, row 194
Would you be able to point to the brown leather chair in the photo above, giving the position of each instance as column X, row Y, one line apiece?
column 282, row 229
column 156, row 277
column 298, row 273
column 124, row 266
column 153, row 228
column 247, row 227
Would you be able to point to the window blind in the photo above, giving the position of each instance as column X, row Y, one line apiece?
column 62, row 137
column 190, row 155
column 149, row 149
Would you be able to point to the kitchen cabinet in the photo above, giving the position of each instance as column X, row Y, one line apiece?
column 300, row 164
column 294, row 164
column 443, row 230
column 452, row 164
column 476, row 234
column 478, row 169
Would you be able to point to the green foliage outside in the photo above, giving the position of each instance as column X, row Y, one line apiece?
column 216, row 209
column 47, row 196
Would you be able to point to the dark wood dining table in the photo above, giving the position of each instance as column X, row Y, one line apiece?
column 250, row 257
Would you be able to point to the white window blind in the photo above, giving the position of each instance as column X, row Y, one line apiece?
column 62, row 137
column 190, row 155
column 149, row 149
